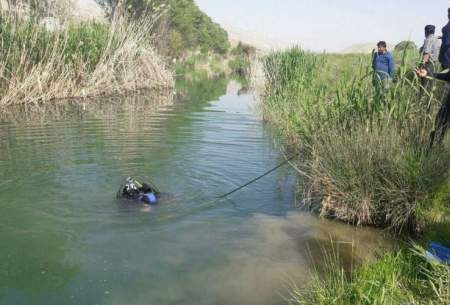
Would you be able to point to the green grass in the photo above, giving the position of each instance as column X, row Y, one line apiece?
column 404, row 277
column 80, row 43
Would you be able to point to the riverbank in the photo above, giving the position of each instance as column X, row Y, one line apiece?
column 76, row 60
column 365, row 161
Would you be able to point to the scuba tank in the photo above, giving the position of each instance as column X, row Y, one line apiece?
column 138, row 190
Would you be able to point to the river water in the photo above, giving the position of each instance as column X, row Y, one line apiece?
column 65, row 239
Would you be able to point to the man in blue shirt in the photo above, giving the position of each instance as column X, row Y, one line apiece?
column 383, row 64
column 444, row 54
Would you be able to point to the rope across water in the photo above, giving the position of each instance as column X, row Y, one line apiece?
column 286, row 161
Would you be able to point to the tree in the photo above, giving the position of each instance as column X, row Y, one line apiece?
column 189, row 27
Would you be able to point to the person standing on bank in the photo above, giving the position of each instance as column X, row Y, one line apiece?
column 442, row 124
column 430, row 55
column 384, row 65
column 444, row 54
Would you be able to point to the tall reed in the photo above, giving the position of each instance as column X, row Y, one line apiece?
column 38, row 65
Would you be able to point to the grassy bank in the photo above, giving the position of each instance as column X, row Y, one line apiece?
column 365, row 151
column 366, row 161
column 400, row 278
column 78, row 60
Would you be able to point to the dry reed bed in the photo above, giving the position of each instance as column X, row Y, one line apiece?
column 80, row 60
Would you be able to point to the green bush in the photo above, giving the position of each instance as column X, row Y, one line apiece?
column 240, row 66
column 243, row 49
column 86, row 43
column 241, row 62
column 406, row 45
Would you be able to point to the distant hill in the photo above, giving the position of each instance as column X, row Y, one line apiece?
column 88, row 9
column 364, row 48
column 260, row 42
column 79, row 9
column 359, row 48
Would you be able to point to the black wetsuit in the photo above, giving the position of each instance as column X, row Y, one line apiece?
column 443, row 116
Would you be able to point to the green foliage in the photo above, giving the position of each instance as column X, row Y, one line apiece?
column 81, row 44
column 195, row 29
column 211, row 65
column 404, row 277
column 175, row 44
column 86, row 43
column 243, row 49
column 240, row 66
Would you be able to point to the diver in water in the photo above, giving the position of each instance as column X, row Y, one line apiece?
column 137, row 190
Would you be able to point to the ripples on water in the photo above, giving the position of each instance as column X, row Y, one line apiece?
column 66, row 240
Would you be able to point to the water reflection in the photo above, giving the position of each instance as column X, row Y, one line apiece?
column 147, row 102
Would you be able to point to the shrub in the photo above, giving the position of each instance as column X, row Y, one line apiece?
column 406, row 45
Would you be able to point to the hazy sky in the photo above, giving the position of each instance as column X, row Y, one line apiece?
column 331, row 25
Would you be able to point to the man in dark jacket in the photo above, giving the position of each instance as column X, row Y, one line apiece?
column 443, row 116
column 444, row 54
